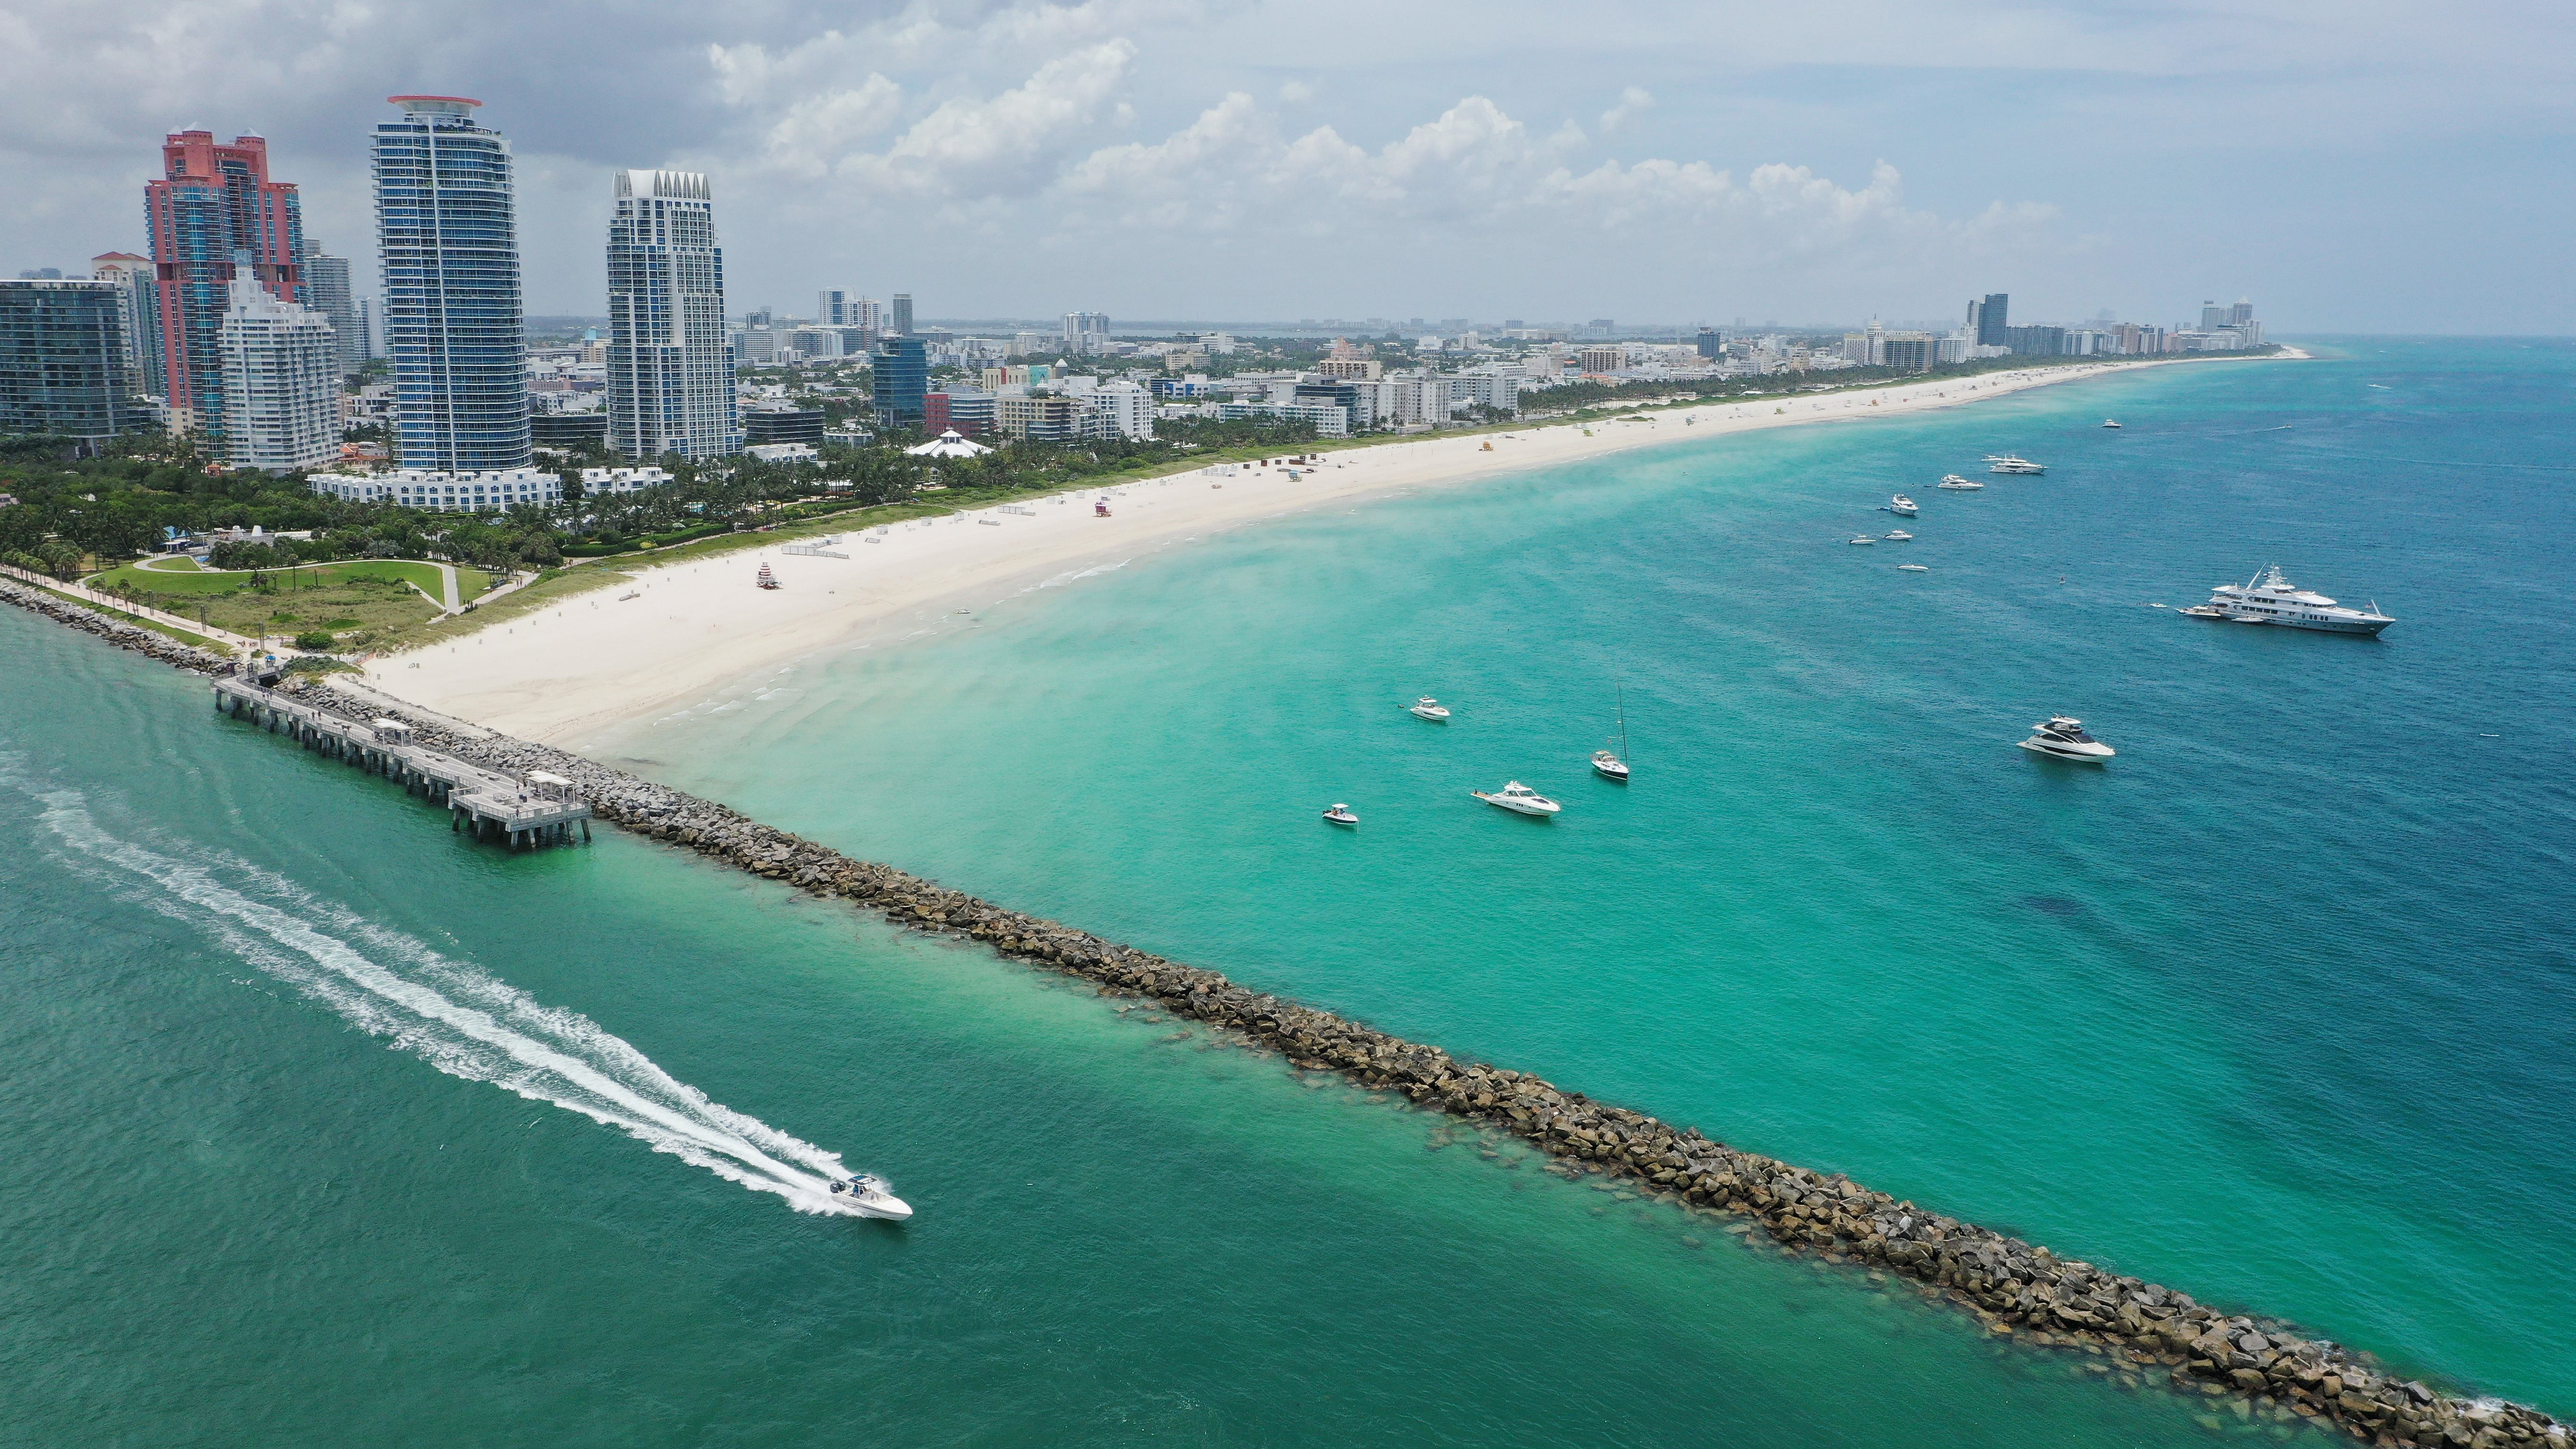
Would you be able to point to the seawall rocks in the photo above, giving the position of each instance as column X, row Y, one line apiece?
column 2015, row 1289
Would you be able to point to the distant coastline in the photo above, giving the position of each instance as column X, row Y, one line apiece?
column 568, row 673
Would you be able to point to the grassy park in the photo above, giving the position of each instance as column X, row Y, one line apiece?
column 372, row 604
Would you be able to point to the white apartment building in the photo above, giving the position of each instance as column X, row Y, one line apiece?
column 1127, row 409
column 281, row 382
column 596, row 482
column 440, row 491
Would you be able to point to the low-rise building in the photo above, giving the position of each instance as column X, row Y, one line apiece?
column 783, row 452
column 596, row 482
column 1037, row 417
column 441, row 491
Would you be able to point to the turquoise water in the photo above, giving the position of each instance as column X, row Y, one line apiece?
column 2274, row 1009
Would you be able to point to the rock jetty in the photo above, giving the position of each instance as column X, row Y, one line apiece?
column 115, row 631
column 2015, row 1289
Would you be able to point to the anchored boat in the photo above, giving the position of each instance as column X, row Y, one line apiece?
column 2268, row 598
column 2062, row 737
column 1520, row 799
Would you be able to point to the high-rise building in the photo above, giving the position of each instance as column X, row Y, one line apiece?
column 1086, row 331
column 670, row 372
column 901, row 323
column 2241, row 313
column 899, row 376
column 327, row 291
column 447, row 233
column 832, row 308
column 371, row 327
column 65, row 368
column 213, row 204
column 1987, row 319
column 281, row 381
column 1711, row 345
column 139, row 296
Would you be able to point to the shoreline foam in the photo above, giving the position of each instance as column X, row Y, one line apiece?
column 599, row 661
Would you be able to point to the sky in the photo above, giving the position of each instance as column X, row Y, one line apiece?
column 2349, row 165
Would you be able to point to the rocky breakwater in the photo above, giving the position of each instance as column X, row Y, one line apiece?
column 2016, row 1290
column 115, row 631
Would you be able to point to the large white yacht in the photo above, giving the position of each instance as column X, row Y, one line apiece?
column 2006, row 463
column 2268, row 598
column 1520, row 799
column 867, row 1196
column 1957, row 484
column 1902, row 506
column 2062, row 737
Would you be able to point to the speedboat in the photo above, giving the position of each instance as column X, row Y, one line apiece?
column 1955, row 483
column 2062, row 737
column 867, row 1196
column 2110, row 423
column 1863, row 538
column 1609, row 766
column 1898, row 535
column 2006, row 463
column 1520, row 799
column 1428, row 708
column 1902, row 506
column 1341, row 815
column 1916, row 568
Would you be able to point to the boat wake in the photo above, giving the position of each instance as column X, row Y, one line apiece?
column 447, row 1013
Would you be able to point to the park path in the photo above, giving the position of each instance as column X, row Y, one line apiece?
column 113, row 604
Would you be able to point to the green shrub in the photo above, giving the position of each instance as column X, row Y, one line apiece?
column 314, row 639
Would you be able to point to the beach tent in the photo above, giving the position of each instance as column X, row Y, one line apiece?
column 949, row 444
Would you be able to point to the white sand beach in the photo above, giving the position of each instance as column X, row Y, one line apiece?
column 601, row 659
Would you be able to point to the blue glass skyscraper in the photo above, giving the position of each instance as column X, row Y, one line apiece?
column 447, row 231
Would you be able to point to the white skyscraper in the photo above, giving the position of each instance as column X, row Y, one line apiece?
column 281, row 381
column 670, row 373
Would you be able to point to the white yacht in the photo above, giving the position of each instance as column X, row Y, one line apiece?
column 1902, row 506
column 1863, row 538
column 867, row 1196
column 1519, row 799
column 1342, row 815
column 1898, row 535
column 2062, row 737
column 1915, row 568
column 1957, row 484
column 1609, row 766
column 2268, row 598
column 2110, row 422
column 1428, row 708
column 2007, row 463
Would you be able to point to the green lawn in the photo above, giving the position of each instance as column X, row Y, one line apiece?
column 367, row 603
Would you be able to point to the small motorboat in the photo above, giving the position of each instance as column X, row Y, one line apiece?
column 1428, row 708
column 1609, row 766
column 767, row 579
column 2203, row 611
column 1898, row 535
column 1520, row 799
column 1341, row 815
column 1957, row 484
column 1863, row 538
column 868, row 1196
column 2062, row 737
column 2110, row 422
column 1902, row 506
column 1916, row 568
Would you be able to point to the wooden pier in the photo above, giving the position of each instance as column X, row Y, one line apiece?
column 540, row 810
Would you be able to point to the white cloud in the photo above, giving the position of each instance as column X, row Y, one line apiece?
column 1632, row 101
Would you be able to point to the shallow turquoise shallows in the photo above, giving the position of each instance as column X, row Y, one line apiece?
column 330, row 1128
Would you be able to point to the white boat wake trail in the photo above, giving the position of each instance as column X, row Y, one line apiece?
column 447, row 1013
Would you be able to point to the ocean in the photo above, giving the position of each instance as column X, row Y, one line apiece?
column 332, row 1128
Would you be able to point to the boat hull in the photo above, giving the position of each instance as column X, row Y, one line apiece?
column 2052, row 752
column 1535, row 812
column 2365, row 628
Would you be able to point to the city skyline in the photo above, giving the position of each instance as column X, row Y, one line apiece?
column 1183, row 161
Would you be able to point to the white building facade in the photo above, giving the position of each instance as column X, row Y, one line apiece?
column 441, row 491
column 670, row 370
column 281, row 381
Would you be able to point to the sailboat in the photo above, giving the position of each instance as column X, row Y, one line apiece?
column 1613, row 765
